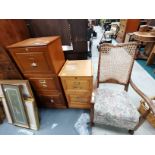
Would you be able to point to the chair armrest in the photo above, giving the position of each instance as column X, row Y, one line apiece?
column 145, row 98
column 93, row 92
column 93, row 98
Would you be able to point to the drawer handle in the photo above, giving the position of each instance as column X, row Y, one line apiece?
column 52, row 101
column 75, row 87
column 42, row 81
column 34, row 64
column 26, row 49
column 44, row 85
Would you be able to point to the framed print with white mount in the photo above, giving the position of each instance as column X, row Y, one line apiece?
column 29, row 102
column 15, row 103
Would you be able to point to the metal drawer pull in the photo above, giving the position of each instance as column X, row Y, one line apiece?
column 52, row 101
column 42, row 81
column 44, row 85
column 34, row 64
column 75, row 87
column 26, row 49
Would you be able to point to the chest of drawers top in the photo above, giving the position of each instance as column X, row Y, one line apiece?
column 38, row 55
column 80, row 68
column 35, row 42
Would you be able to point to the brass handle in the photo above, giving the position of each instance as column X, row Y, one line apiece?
column 75, row 87
column 76, row 83
column 44, row 85
column 34, row 64
column 42, row 81
column 52, row 101
column 26, row 49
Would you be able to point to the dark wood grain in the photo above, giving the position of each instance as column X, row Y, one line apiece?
column 50, row 27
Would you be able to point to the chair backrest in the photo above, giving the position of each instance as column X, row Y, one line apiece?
column 116, row 62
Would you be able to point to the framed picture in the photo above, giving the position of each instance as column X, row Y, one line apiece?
column 26, row 88
column 15, row 103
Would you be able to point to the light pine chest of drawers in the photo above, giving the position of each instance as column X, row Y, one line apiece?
column 77, row 80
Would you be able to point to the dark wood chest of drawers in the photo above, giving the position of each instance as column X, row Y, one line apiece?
column 40, row 60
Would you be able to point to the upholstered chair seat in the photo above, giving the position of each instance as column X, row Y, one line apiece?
column 115, row 108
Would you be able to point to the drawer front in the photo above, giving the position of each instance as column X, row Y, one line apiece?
column 52, row 100
column 79, row 100
column 32, row 60
column 77, row 83
column 51, row 83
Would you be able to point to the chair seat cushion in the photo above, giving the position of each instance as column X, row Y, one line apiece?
column 115, row 108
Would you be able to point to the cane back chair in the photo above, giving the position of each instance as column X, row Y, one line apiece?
column 111, row 107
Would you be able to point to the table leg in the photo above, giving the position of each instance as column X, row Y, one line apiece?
column 151, row 57
column 147, row 51
column 148, row 48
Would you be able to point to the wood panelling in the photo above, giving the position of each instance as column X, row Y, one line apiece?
column 8, row 70
column 12, row 31
column 78, row 28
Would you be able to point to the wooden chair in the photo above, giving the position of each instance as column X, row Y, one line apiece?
column 111, row 107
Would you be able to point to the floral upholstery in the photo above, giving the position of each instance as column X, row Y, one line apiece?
column 115, row 108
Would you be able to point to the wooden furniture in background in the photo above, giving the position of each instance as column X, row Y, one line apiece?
column 11, row 31
column 73, row 33
column 127, row 26
column 77, row 80
column 149, row 39
column 40, row 60
column 144, row 107
column 50, row 27
column 151, row 57
column 78, row 30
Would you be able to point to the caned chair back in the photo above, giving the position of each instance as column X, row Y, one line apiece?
column 116, row 62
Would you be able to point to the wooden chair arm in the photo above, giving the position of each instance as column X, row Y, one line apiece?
column 93, row 92
column 145, row 98
column 93, row 98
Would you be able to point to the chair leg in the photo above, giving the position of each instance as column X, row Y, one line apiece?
column 142, row 119
column 131, row 132
column 92, row 115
